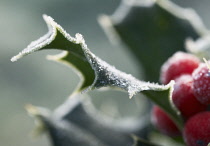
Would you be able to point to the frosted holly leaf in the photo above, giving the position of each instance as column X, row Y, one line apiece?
column 73, row 123
column 152, row 30
column 94, row 72
column 57, row 38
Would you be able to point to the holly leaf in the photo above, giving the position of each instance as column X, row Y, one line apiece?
column 75, row 123
column 95, row 72
column 152, row 30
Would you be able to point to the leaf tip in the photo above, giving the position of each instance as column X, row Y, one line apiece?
column 47, row 18
column 131, row 94
column 16, row 57
column 32, row 110
column 79, row 38
column 39, row 115
column 13, row 59
column 35, row 111
column 171, row 83
column 171, row 86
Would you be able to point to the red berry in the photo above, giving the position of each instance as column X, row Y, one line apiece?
column 163, row 122
column 197, row 130
column 201, row 83
column 180, row 63
column 184, row 99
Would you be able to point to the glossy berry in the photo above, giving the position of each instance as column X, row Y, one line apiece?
column 163, row 122
column 184, row 99
column 197, row 130
column 201, row 83
column 180, row 63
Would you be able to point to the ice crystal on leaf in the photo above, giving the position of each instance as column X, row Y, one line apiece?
column 94, row 72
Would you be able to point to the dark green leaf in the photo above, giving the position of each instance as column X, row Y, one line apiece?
column 156, row 137
column 71, row 124
column 152, row 31
column 96, row 72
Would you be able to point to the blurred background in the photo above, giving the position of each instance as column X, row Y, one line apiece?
column 40, row 82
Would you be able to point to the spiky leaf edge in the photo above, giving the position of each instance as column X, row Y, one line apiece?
column 107, row 22
column 96, row 73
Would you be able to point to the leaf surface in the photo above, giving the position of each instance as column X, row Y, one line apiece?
column 152, row 31
column 95, row 72
column 71, row 124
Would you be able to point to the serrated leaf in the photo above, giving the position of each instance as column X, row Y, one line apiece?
column 62, row 132
column 96, row 72
column 71, row 124
column 152, row 31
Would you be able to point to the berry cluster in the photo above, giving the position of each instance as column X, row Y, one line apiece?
column 191, row 96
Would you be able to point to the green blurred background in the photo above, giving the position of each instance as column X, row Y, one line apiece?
column 38, row 81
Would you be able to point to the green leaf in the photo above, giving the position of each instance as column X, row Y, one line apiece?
column 152, row 30
column 141, row 142
column 76, row 124
column 96, row 72
column 161, row 139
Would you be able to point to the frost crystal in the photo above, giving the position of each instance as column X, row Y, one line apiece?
column 105, row 74
column 94, row 72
